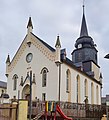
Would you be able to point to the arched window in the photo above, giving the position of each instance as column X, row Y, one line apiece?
column 78, row 89
column 67, row 80
column 92, row 93
column 85, row 88
column 15, row 77
column 97, row 95
column 44, row 76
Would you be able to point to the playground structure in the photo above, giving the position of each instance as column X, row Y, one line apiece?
column 54, row 107
column 52, row 110
column 56, row 110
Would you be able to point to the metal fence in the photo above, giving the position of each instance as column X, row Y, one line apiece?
column 75, row 110
column 83, row 110
column 8, row 111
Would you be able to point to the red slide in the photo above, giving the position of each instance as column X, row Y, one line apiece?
column 58, row 109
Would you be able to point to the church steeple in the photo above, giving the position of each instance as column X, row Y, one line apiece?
column 84, row 40
column 84, row 31
column 85, row 48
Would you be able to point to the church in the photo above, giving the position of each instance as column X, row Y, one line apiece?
column 50, row 74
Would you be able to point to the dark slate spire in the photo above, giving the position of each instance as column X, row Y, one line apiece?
column 30, row 23
column 84, row 40
column 84, row 31
column 58, row 44
column 8, row 59
column 85, row 47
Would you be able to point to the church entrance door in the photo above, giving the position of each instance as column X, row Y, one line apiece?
column 26, row 92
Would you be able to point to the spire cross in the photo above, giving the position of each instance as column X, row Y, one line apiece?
column 83, row 5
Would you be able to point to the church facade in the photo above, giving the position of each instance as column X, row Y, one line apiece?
column 54, row 77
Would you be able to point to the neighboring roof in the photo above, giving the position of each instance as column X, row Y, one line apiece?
column 107, row 97
column 103, row 100
column 3, row 84
column 107, row 56
column 70, row 63
column 47, row 45
column 4, row 95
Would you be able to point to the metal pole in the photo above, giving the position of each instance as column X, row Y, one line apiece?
column 30, row 104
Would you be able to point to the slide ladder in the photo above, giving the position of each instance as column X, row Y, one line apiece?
column 39, row 115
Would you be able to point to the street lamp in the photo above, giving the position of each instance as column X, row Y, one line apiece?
column 107, row 56
column 29, row 76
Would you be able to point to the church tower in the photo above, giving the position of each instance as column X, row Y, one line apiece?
column 85, row 54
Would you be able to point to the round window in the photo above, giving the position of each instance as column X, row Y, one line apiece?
column 29, row 57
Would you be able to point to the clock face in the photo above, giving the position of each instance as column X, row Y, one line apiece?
column 80, row 46
column 29, row 57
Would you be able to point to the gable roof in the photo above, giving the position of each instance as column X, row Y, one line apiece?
column 47, row 45
column 70, row 63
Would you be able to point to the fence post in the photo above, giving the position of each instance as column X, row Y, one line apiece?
column 104, row 117
column 23, row 110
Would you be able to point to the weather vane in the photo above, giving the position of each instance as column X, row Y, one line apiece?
column 83, row 5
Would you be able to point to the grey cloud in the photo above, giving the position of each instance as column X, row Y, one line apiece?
column 51, row 17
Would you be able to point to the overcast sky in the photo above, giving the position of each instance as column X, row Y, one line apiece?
column 50, row 18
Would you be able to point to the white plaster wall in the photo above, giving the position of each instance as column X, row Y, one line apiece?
column 40, row 60
column 96, row 70
column 36, row 65
column 74, row 73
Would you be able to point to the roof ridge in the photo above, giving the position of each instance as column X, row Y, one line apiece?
column 46, row 44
